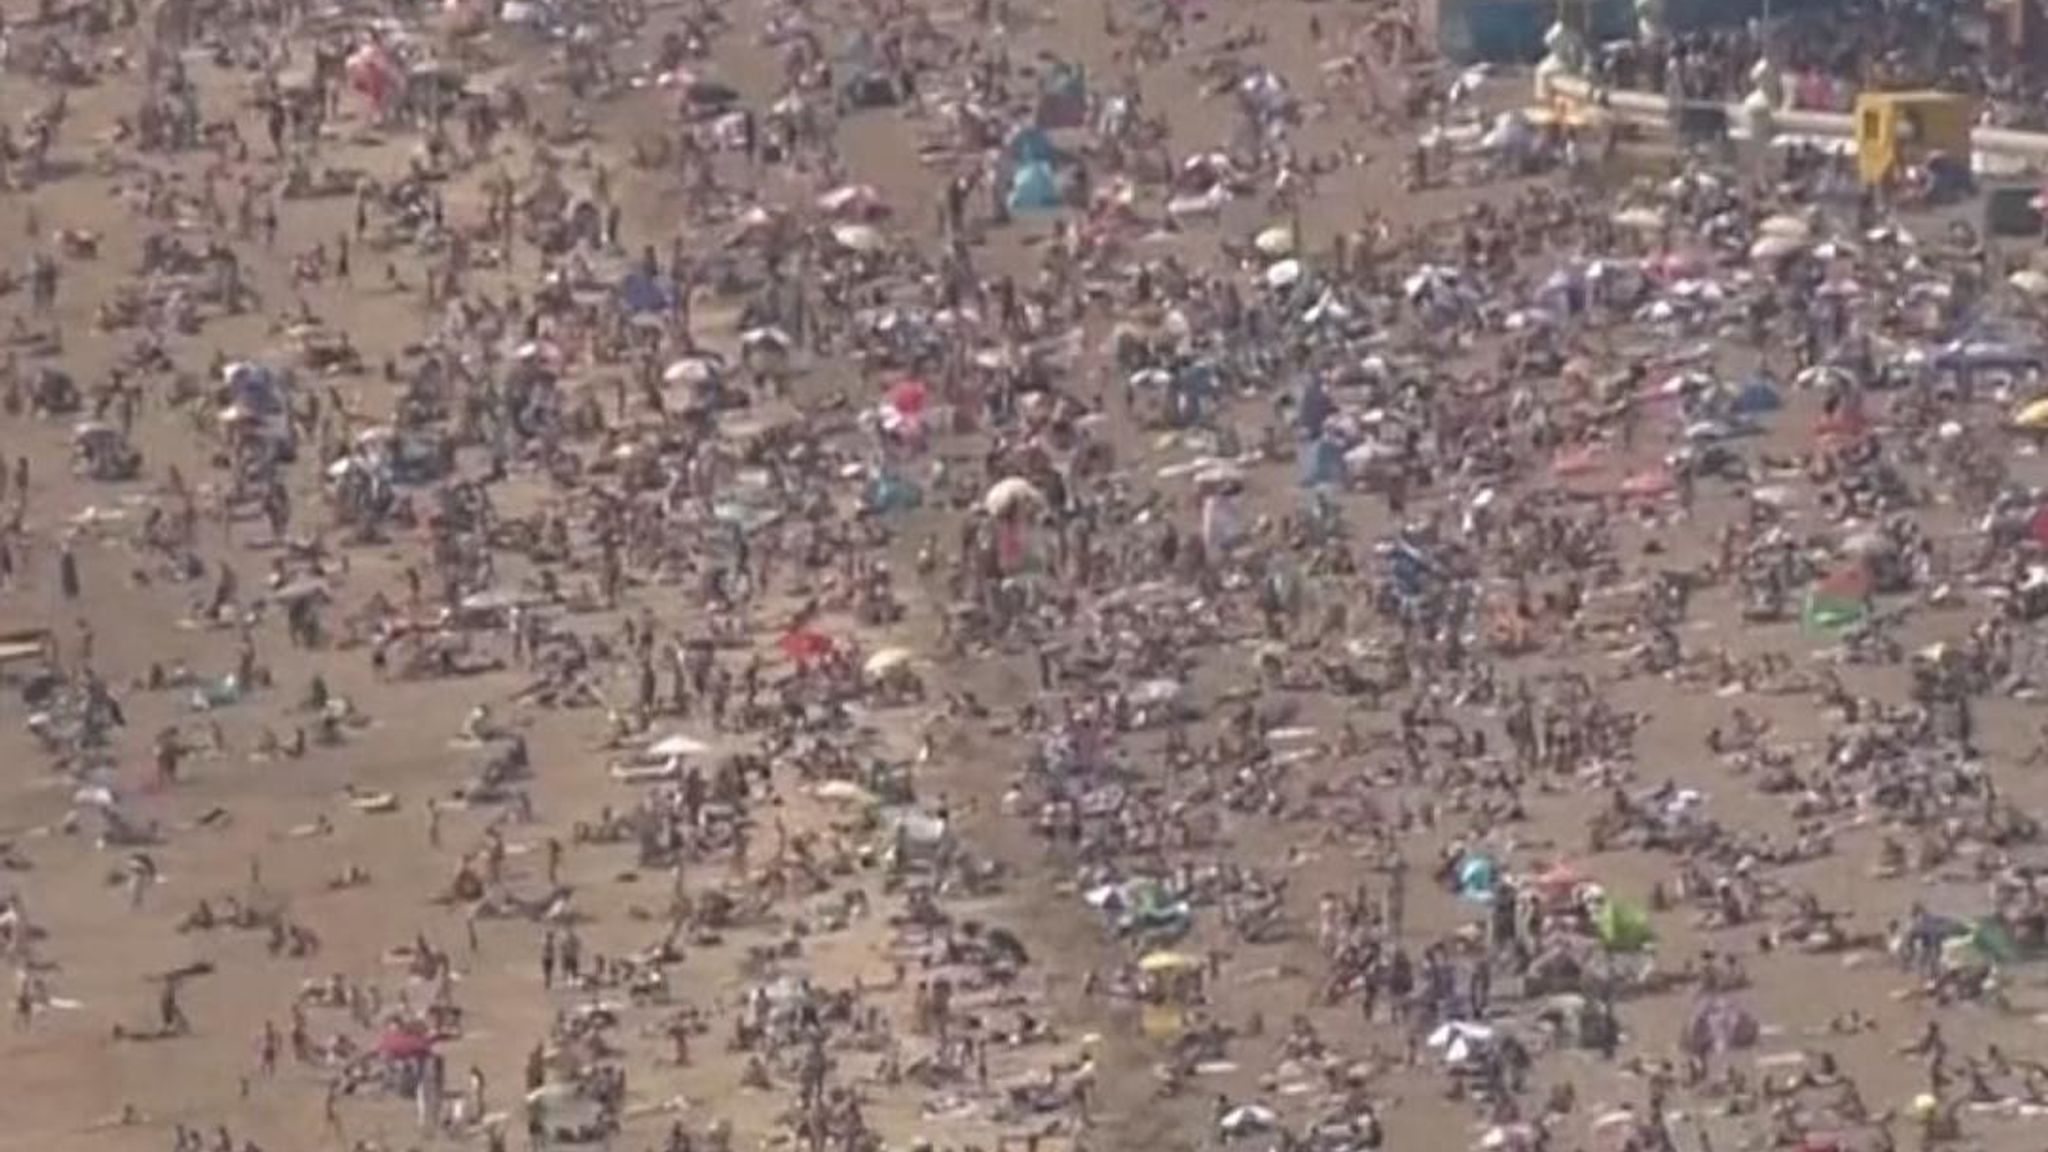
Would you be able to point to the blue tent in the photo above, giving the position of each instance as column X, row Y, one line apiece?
column 1034, row 188
column 1477, row 877
column 1756, row 398
column 1322, row 463
column 1315, row 408
column 643, row 293
column 1030, row 145
column 888, row 493
column 1189, row 392
column 1412, row 568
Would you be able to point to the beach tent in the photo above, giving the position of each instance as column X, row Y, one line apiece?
column 1030, row 145
column 1756, row 398
column 1983, row 941
column 1315, row 408
column 1478, row 876
column 642, row 293
column 1411, row 567
column 1033, row 188
column 1622, row 927
column 1189, row 391
column 1840, row 600
column 1322, row 463
column 889, row 492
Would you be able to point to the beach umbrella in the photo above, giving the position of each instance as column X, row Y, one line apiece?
column 888, row 660
column 691, row 370
column 402, row 1044
column 1158, row 691
column 850, row 200
column 805, row 645
column 909, row 396
column 1649, row 484
column 1460, row 1041
column 1786, row 226
column 677, row 744
column 845, row 792
column 1009, row 493
column 1247, row 1118
column 1275, row 242
column 1283, row 273
column 2032, row 416
column 1839, row 600
column 1580, row 461
column 1622, row 927
column 1556, row 884
column 857, row 237
column 1641, row 219
column 1168, row 962
column 766, row 338
column 2031, row 281
column 1775, row 248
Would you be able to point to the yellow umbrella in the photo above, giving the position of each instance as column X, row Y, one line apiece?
column 2033, row 415
column 1167, row 962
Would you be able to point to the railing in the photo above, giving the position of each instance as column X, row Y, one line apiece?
column 1650, row 110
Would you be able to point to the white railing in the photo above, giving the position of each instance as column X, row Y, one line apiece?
column 1650, row 110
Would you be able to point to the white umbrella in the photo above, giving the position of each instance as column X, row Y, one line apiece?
column 690, row 370
column 1787, row 226
column 857, row 237
column 1644, row 219
column 1161, row 691
column 1277, row 241
column 677, row 744
column 843, row 792
column 1453, row 1031
column 1283, row 273
column 1247, row 1118
column 848, row 200
column 888, row 660
column 1775, row 248
column 1008, row 493
column 2031, row 281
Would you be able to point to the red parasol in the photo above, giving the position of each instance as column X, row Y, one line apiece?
column 909, row 395
column 804, row 645
column 399, row 1044
column 1649, row 484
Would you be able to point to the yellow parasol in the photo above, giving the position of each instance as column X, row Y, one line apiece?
column 2033, row 415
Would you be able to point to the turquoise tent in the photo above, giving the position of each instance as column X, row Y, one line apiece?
column 1034, row 188
column 1478, row 876
column 1030, row 145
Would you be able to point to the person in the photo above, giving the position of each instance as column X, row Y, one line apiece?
column 171, row 1017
